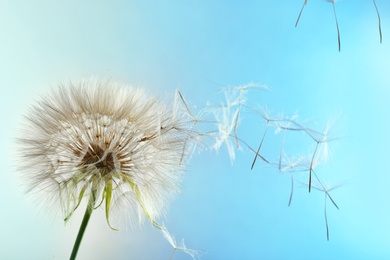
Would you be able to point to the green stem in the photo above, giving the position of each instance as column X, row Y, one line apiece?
column 83, row 226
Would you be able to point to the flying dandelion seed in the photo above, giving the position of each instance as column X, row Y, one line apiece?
column 107, row 143
column 178, row 246
column 228, row 116
column 337, row 24
column 335, row 16
column 300, row 13
column 320, row 187
column 379, row 21
column 226, row 119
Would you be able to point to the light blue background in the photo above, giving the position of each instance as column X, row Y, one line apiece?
column 225, row 210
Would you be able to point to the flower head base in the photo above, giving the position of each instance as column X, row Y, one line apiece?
column 107, row 141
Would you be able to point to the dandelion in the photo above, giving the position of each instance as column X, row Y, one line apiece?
column 110, row 144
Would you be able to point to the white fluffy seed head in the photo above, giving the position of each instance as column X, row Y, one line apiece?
column 81, row 137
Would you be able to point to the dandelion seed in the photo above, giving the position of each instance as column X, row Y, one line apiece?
column 295, row 164
column 326, row 220
column 225, row 129
column 311, row 165
column 227, row 121
column 326, row 191
column 300, row 13
column 178, row 247
column 335, row 16
column 379, row 22
column 228, row 116
column 321, row 148
column 260, row 145
column 281, row 152
column 104, row 142
column 292, row 190
column 337, row 24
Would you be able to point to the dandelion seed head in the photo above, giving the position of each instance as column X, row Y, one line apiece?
column 108, row 139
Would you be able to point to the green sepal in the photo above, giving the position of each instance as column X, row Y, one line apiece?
column 101, row 201
column 108, row 193
column 81, row 195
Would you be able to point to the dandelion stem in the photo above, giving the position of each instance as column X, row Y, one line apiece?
column 83, row 227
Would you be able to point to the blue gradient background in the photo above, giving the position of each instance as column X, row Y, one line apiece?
column 225, row 210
